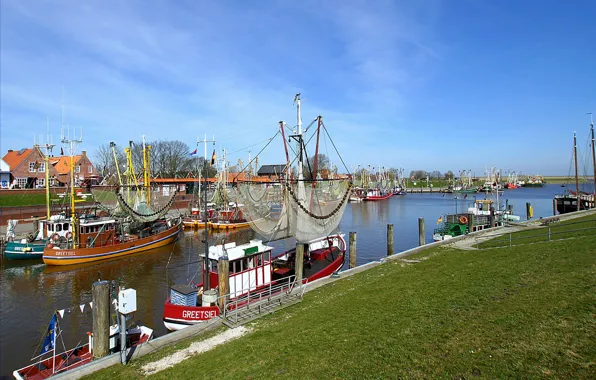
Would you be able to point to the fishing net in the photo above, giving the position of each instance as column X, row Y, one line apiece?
column 305, row 210
column 145, row 206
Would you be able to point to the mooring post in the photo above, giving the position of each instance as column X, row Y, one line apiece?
column 554, row 206
column 299, row 263
column 548, row 233
column 389, row 239
column 528, row 210
column 352, row 250
column 223, row 269
column 470, row 223
column 421, row 231
column 101, row 318
column 491, row 218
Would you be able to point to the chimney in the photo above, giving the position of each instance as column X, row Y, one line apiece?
column 83, row 153
column 10, row 151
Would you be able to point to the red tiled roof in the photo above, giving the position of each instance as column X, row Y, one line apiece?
column 62, row 163
column 13, row 159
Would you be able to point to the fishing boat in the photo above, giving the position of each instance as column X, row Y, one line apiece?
column 578, row 200
column 306, row 208
column 141, row 226
column 534, row 181
column 377, row 195
column 479, row 215
column 252, row 268
column 50, row 363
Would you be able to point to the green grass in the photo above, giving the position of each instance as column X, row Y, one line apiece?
column 521, row 312
column 559, row 230
column 33, row 199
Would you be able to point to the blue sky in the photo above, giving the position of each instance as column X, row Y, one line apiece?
column 433, row 85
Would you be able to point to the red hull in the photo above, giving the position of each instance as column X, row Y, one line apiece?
column 176, row 317
column 377, row 197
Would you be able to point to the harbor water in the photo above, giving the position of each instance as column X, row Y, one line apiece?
column 31, row 291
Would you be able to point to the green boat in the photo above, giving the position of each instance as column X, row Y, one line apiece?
column 24, row 251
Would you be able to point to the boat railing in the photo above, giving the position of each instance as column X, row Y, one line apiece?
column 258, row 302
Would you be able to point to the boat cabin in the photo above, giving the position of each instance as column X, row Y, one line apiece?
column 250, row 265
column 97, row 232
column 57, row 227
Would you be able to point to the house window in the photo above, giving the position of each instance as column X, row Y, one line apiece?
column 42, row 167
column 22, row 182
column 77, row 169
column 89, row 169
column 41, row 182
column 32, row 167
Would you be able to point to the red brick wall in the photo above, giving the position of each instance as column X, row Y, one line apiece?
column 22, row 170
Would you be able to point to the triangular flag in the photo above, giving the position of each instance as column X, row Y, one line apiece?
column 91, row 304
column 61, row 312
column 82, row 307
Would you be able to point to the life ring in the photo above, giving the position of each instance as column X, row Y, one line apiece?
column 55, row 236
column 68, row 235
column 463, row 219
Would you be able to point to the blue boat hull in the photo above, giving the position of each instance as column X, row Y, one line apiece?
column 24, row 251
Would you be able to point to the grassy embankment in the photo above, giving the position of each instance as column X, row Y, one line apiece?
column 558, row 230
column 39, row 199
column 519, row 312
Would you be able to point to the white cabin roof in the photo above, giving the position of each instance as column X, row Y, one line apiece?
column 235, row 252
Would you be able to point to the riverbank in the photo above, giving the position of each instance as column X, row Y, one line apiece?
column 522, row 311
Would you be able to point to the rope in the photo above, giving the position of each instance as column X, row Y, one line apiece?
column 320, row 217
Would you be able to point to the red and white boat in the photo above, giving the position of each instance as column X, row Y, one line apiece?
column 252, row 267
column 377, row 195
column 50, row 363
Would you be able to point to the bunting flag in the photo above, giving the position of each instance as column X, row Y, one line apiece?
column 61, row 312
column 91, row 304
column 48, row 342
column 213, row 158
column 82, row 307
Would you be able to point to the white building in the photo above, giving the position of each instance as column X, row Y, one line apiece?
column 4, row 174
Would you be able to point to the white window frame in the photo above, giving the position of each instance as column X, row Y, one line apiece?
column 42, row 167
column 22, row 182
column 41, row 182
column 77, row 169
column 90, row 169
column 31, row 167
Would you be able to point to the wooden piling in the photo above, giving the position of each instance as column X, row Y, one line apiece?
column 554, row 206
column 421, row 231
column 389, row 239
column 352, row 250
column 101, row 318
column 470, row 222
column 299, row 263
column 491, row 217
column 223, row 269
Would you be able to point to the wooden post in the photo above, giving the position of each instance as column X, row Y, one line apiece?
column 491, row 217
column 101, row 318
column 470, row 223
column 389, row 239
column 555, row 206
column 223, row 268
column 352, row 250
column 420, row 231
column 299, row 263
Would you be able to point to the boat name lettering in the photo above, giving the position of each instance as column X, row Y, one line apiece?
column 199, row 314
column 65, row 253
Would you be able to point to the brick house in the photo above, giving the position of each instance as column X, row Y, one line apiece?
column 84, row 171
column 28, row 169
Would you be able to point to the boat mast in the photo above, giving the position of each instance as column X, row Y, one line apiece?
column 576, row 178
column 113, row 147
column 299, row 133
column 71, row 143
column 593, row 156
column 206, row 259
column 48, row 150
column 146, row 171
